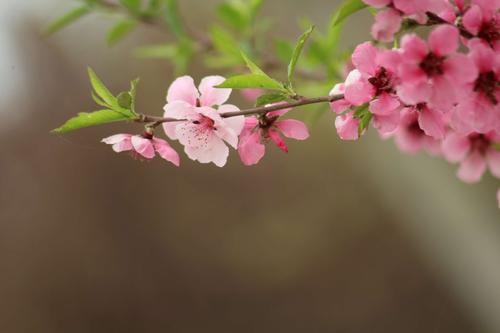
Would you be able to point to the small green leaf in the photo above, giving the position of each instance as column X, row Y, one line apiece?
column 346, row 9
column 297, row 52
column 173, row 18
column 251, row 65
column 120, row 30
column 125, row 100
column 85, row 119
column 252, row 81
column 365, row 122
column 99, row 101
column 101, row 89
column 270, row 99
column 232, row 16
column 156, row 51
column 67, row 19
column 133, row 5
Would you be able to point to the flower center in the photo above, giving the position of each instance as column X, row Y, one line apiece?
column 382, row 81
column 432, row 65
column 487, row 84
column 414, row 129
column 479, row 142
column 205, row 123
column 490, row 31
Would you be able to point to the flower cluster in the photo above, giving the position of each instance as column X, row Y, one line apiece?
column 426, row 93
column 440, row 94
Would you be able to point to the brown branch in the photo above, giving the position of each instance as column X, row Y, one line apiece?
column 435, row 19
column 153, row 121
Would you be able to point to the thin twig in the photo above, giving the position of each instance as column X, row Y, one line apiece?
column 153, row 121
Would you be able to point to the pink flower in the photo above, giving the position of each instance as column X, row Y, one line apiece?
column 409, row 136
column 347, row 127
column 201, row 129
column 434, row 74
column 483, row 20
column 475, row 152
column 258, row 131
column 479, row 109
column 387, row 23
column 143, row 146
column 373, row 81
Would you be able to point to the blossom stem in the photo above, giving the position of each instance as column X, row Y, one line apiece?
column 435, row 19
column 153, row 121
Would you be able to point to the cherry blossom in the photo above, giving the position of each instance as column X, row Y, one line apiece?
column 475, row 152
column 482, row 19
column 260, row 130
column 143, row 146
column 202, row 130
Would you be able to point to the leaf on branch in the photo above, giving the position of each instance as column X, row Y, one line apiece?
column 364, row 115
column 270, row 99
column 85, row 119
column 133, row 5
column 67, row 19
column 173, row 19
column 346, row 9
column 120, row 30
column 297, row 52
column 252, row 81
column 100, row 89
column 165, row 51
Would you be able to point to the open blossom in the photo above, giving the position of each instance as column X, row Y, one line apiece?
column 258, row 131
column 475, row 152
column 434, row 73
column 409, row 136
column 202, row 130
column 372, row 81
column 145, row 146
column 482, row 19
column 478, row 109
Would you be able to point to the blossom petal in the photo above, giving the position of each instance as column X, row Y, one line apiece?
column 432, row 123
column 385, row 104
column 473, row 19
column 460, row 68
column 250, row 149
column 210, row 95
column 347, row 127
column 414, row 94
column 455, row 147
column 166, row 152
column 414, row 48
column 387, row 123
column 276, row 138
column 472, row 168
column 360, row 91
column 143, row 146
column 363, row 58
column 387, row 24
column 111, row 140
column 293, row 129
column 179, row 110
column 236, row 123
column 444, row 40
column 183, row 89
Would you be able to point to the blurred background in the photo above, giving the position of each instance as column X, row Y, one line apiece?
column 333, row 237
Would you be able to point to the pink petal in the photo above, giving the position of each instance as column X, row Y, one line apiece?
column 444, row 94
column 472, row 168
column 120, row 142
column 166, row 152
column 341, row 105
column 387, row 123
column 389, row 59
column 387, row 24
column 169, row 128
column 473, row 19
column 413, row 94
column 143, row 146
column 364, row 57
column 409, row 142
column 236, row 123
column 215, row 151
column 276, row 138
column 210, row 95
column 408, row 6
column 347, row 127
column 444, row 40
column 384, row 105
column 183, row 89
column 493, row 157
column 483, row 56
column 357, row 90
column 250, row 149
column 411, row 73
column 460, row 68
column 179, row 110
column 377, row 3
column 455, row 147
column 293, row 129
column 414, row 48
column 432, row 123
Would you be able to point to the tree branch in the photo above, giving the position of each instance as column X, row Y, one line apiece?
column 156, row 121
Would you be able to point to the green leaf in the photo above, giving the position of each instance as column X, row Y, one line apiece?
column 67, row 19
column 297, row 52
column 120, row 30
column 99, row 101
column 133, row 5
column 346, row 9
column 125, row 100
column 252, row 81
column 225, row 43
column 85, row 119
column 100, row 89
column 156, row 51
column 232, row 16
column 365, row 122
column 251, row 65
column 270, row 99
column 173, row 19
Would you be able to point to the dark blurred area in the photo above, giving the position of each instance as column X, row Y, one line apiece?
column 333, row 237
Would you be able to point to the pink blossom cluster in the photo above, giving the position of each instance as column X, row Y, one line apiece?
column 427, row 94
